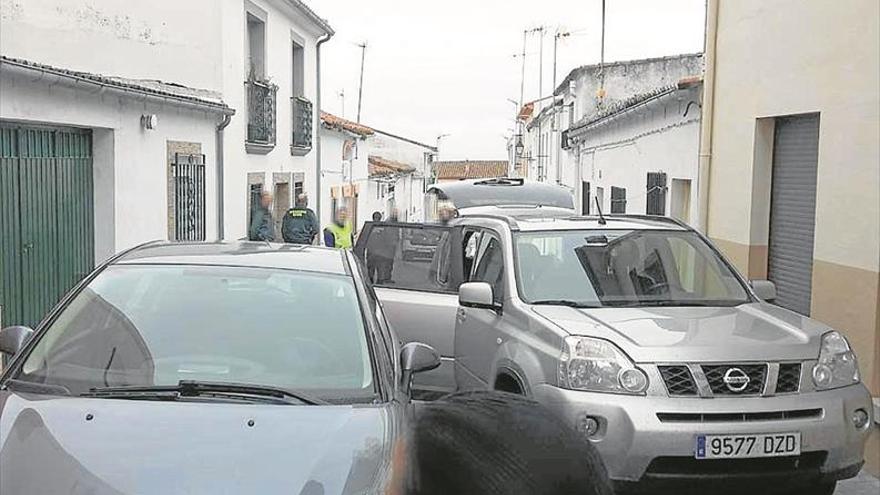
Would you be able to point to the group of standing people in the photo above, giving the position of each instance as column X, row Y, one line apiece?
column 300, row 224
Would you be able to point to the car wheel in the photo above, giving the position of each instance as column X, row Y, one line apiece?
column 506, row 383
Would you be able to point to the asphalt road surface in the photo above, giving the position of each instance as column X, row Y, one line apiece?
column 863, row 484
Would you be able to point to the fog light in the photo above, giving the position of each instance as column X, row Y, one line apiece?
column 860, row 418
column 589, row 426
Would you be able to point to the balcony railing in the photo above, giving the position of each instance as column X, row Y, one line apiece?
column 301, row 141
column 261, row 114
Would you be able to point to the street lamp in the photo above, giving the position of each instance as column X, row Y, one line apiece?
column 519, row 146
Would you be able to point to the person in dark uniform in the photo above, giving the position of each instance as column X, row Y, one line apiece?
column 300, row 225
column 381, row 248
column 372, row 267
column 262, row 228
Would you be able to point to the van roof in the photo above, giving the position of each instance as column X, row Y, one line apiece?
column 503, row 191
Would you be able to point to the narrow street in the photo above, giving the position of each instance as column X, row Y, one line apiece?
column 557, row 247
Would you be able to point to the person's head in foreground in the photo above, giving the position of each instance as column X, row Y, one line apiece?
column 377, row 217
column 490, row 443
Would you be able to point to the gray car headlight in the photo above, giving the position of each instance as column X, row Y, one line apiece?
column 596, row 365
column 837, row 365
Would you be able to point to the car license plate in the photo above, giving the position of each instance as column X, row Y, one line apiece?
column 743, row 446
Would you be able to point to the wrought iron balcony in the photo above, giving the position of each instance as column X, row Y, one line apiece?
column 261, row 115
column 301, row 140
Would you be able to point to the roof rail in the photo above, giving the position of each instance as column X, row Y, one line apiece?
column 624, row 216
column 654, row 218
column 501, row 181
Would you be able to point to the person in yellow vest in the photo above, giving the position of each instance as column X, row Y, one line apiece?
column 340, row 232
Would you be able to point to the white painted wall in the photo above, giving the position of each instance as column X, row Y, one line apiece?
column 579, row 101
column 336, row 172
column 283, row 26
column 654, row 138
column 168, row 40
column 131, row 201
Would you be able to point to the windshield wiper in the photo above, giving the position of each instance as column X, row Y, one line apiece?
column 672, row 303
column 563, row 302
column 194, row 388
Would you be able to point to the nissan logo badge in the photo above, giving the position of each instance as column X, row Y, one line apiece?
column 736, row 379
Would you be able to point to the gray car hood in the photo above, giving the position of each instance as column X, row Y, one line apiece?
column 48, row 446
column 748, row 332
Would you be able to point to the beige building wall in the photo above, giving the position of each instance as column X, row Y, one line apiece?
column 786, row 57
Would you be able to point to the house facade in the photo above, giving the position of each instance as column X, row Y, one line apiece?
column 791, row 160
column 368, row 170
column 120, row 124
column 630, row 127
column 639, row 155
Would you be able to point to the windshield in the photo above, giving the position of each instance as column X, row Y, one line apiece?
column 157, row 325
column 624, row 268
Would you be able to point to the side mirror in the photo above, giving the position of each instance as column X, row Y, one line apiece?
column 12, row 339
column 764, row 289
column 476, row 295
column 416, row 357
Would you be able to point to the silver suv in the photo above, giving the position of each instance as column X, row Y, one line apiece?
column 638, row 332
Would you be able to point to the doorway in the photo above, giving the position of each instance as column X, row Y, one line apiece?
column 793, row 210
column 47, row 240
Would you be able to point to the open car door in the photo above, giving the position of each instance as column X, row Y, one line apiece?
column 410, row 266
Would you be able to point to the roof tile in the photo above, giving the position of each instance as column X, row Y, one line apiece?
column 470, row 169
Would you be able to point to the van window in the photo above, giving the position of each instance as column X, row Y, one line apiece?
column 490, row 267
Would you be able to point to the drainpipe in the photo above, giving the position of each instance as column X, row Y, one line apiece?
column 218, row 150
column 321, row 41
column 705, row 159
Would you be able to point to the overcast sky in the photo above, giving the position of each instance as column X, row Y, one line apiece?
column 448, row 67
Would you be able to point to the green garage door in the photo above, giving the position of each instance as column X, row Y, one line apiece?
column 46, row 220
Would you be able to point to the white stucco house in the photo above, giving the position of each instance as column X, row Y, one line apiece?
column 368, row 170
column 626, row 133
column 124, row 122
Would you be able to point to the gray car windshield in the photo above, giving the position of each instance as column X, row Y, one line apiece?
column 152, row 325
column 623, row 268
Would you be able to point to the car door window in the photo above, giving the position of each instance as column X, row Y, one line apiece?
column 470, row 242
column 490, row 266
column 405, row 256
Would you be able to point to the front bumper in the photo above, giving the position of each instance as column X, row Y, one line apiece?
column 637, row 446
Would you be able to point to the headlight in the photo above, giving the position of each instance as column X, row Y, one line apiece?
column 837, row 365
column 597, row 365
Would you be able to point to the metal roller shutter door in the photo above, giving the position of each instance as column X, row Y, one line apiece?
column 793, row 210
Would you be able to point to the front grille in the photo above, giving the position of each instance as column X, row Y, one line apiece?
column 678, row 380
column 739, row 417
column 789, row 380
column 690, row 466
column 715, row 373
